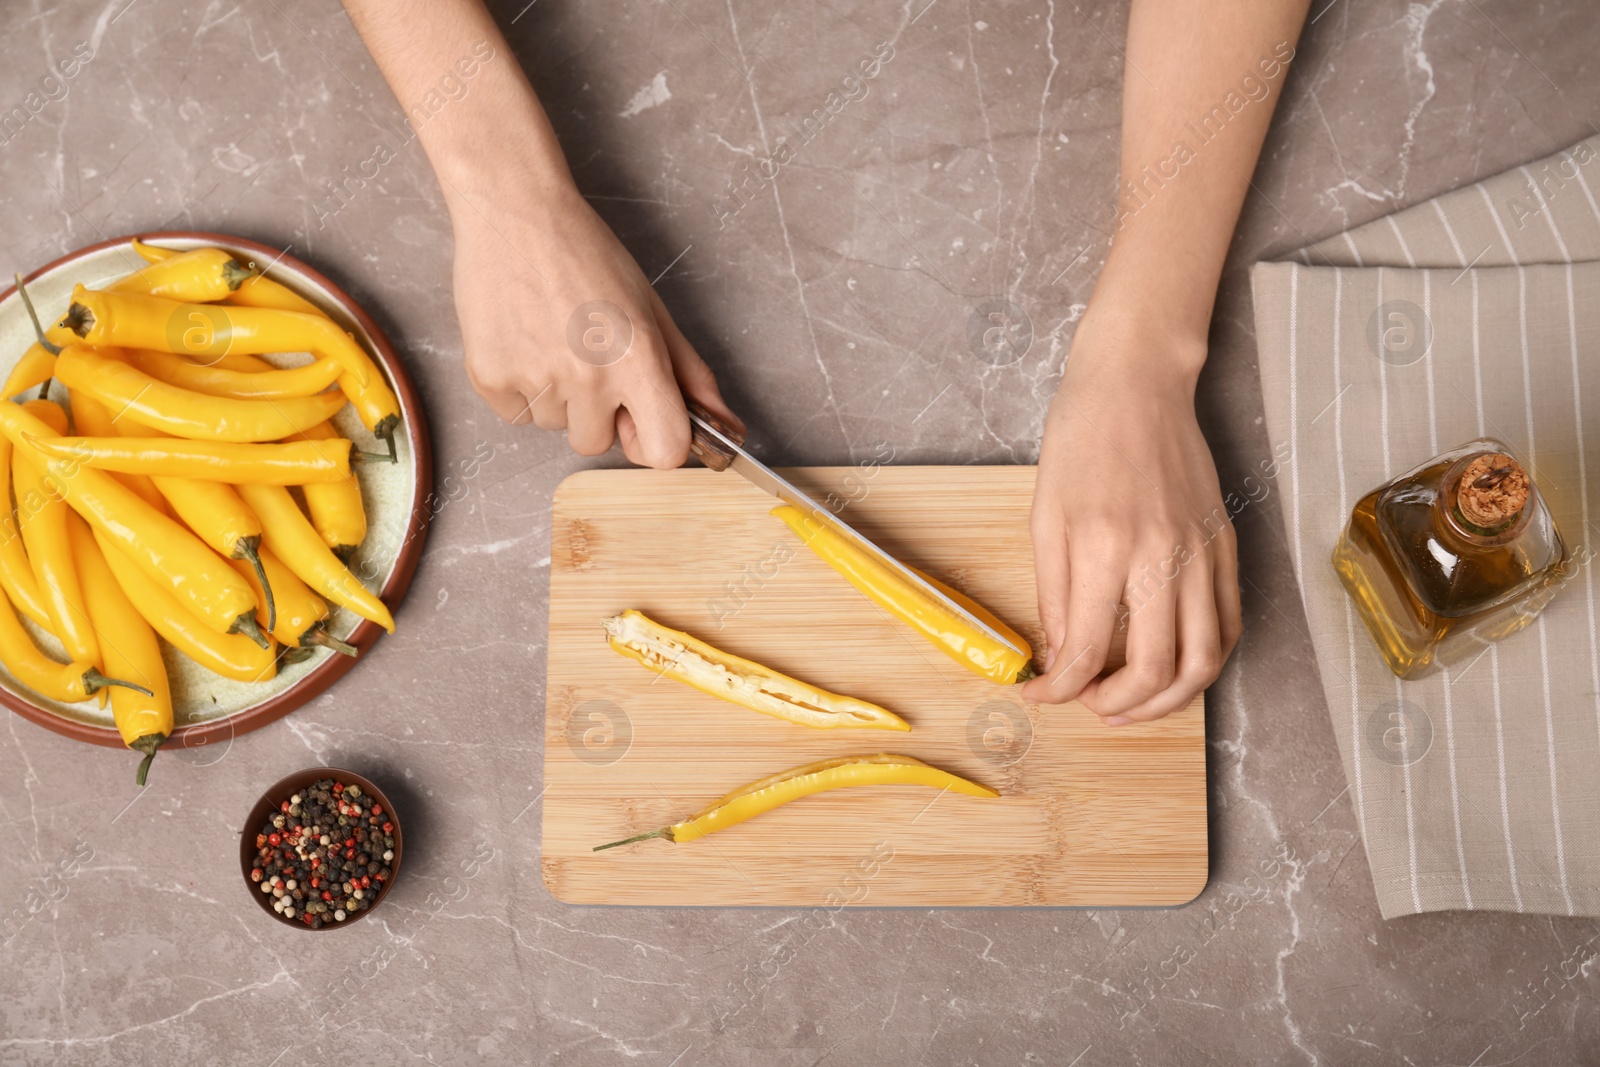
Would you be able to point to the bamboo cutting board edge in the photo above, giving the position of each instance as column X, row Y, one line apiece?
column 1090, row 817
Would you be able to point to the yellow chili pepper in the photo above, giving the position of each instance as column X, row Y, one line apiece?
column 128, row 320
column 92, row 417
column 144, row 719
column 202, row 377
column 740, row 681
column 43, row 515
column 214, row 511
column 36, row 367
column 257, row 291
column 230, row 655
column 284, row 463
column 302, row 614
column 160, row 546
column 134, row 395
column 370, row 395
column 768, row 793
column 336, row 508
column 377, row 406
column 69, row 683
column 16, row 572
column 198, row 276
column 1006, row 663
column 337, row 512
column 291, row 537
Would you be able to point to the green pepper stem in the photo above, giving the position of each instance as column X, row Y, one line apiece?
column 665, row 831
column 249, row 548
column 1028, row 671
column 94, row 681
column 38, row 330
column 79, row 319
column 384, row 431
column 236, row 274
column 359, row 456
column 246, row 624
column 148, row 745
column 319, row 635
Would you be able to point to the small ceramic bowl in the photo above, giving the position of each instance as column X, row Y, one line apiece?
column 271, row 802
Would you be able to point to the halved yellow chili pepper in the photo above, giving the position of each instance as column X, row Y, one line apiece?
column 144, row 719
column 336, row 508
column 279, row 463
column 133, row 395
column 201, row 377
column 291, row 537
column 43, row 514
column 94, row 418
column 160, row 546
column 69, row 683
column 778, row 789
column 128, row 320
column 16, row 572
column 1004, row 662
column 199, row 276
column 302, row 614
column 230, row 655
column 740, row 681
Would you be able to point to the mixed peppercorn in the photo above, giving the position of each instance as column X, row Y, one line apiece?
column 325, row 854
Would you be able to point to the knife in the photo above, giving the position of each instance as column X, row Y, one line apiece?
column 719, row 447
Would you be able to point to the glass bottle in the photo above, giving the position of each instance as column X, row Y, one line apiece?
column 1459, row 552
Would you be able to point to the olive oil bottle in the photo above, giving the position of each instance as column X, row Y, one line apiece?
column 1457, row 553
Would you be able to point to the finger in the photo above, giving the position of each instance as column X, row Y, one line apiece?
column 628, row 437
column 1092, row 599
column 694, row 376
column 1199, row 647
column 1152, row 648
column 510, row 407
column 591, row 427
column 548, row 412
column 1225, row 589
column 1051, row 573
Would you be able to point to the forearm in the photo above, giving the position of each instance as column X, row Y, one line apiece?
column 465, row 95
column 1200, row 85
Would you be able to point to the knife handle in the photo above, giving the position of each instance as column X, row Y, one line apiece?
column 707, row 448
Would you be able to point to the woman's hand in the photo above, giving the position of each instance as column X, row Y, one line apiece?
column 1127, row 515
column 560, row 327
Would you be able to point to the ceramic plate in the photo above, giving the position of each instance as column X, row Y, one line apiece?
column 210, row 708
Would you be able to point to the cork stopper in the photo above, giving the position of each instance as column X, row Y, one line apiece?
column 1493, row 490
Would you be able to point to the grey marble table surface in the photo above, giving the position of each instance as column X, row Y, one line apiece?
column 836, row 305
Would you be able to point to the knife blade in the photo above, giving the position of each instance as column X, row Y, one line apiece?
column 720, row 451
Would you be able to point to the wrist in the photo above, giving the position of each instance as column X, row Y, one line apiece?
column 497, row 144
column 1132, row 333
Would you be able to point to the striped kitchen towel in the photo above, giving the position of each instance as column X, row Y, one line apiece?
column 1474, row 314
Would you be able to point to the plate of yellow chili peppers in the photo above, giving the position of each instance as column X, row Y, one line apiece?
column 215, row 484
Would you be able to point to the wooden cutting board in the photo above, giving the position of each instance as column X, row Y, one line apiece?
column 1087, row 815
